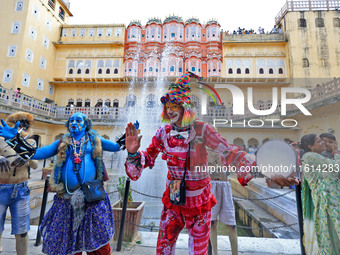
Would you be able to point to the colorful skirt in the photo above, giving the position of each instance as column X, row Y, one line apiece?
column 95, row 231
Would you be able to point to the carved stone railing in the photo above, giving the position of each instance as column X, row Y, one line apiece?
column 11, row 99
column 290, row 6
column 321, row 94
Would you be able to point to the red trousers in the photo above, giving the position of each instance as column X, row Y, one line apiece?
column 105, row 250
column 171, row 225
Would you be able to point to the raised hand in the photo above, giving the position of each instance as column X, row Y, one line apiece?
column 8, row 132
column 284, row 181
column 132, row 141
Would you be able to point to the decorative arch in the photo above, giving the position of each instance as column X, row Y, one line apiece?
column 115, row 103
column 108, row 102
column 151, row 101
column 238, row 141
column 79, row 102
column 131, row 100
column 265, row 140
column 253, row 142
column 99, row 103
column 87, row 102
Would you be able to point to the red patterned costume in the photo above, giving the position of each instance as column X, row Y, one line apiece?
column 173, row 142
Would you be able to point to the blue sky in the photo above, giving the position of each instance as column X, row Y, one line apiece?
column 231, row 14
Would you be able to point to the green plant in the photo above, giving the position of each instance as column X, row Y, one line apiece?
column 121, row 189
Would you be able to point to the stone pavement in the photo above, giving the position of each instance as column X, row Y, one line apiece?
column 147, row 245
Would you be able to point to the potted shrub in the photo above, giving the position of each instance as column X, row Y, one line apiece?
column 133, row 215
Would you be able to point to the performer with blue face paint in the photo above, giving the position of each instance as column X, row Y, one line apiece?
column 73, row 225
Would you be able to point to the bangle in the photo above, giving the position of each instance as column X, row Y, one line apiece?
column 132, row 155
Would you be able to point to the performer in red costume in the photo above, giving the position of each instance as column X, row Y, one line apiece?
column 183, row 144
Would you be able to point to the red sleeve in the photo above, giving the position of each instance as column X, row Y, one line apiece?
column 230, row 154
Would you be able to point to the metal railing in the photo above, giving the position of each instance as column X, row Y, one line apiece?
column 290, row 6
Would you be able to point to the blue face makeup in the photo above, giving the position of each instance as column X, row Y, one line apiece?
column 77, row 124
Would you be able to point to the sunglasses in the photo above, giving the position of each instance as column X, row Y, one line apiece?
column 172, row 106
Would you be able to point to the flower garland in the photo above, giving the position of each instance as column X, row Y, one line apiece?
column 78, row 156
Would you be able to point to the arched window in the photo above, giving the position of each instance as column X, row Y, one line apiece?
column 193, row 69
column 100, row 71
column 108, row 71
column 247, row 71
column 230, row 71
column 115, row 71
column 271, row 71
column 172, row 69
column 99, row 103
column 115, row 103
column 150, row 69
column 79, row 102
column 108, row 63
column 70, row 71
column 87, row 66
column 131, row 101
column 261, row 71
column 305, row 62
column 87, row 103
column 193, row 31
column 80, row 64
column 71, row 63
column 213, row 31
column 87, row 63
column 238, row 71
column 116, row 63
column 79, row 71
column 100, row 63
column 108, row 102
column 150, row 101
column 173, row 30
column 280, row 71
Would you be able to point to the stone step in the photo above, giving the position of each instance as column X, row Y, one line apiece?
column 269, row 213
column 147, row 245
column 261, row 221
